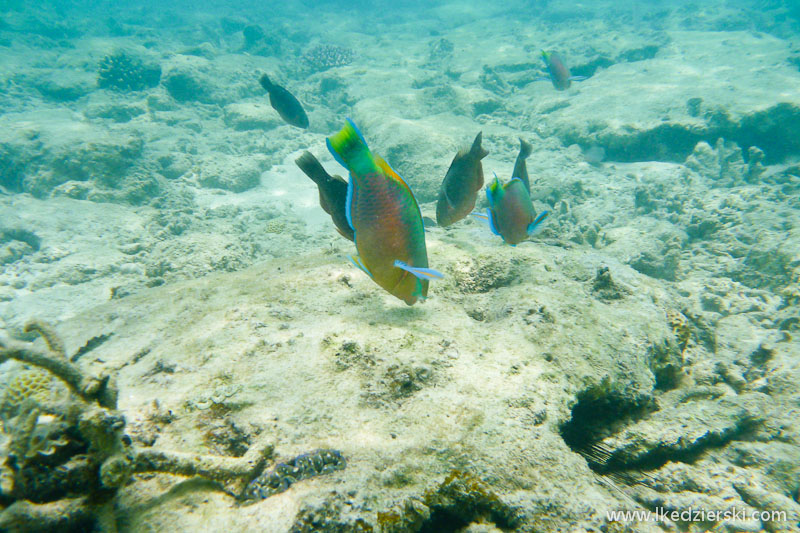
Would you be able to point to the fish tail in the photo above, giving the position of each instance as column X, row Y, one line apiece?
column 312, row 168
column 265, row 83
column 524, row 148
column 348, row 144
column 477, row 150
column 536, row 224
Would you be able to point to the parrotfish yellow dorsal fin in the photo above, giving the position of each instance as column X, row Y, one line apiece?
column 389, row 171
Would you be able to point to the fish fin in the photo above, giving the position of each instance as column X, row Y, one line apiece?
column 345, row 142
column 311, row 167
column 542, row 78
column 356, row 260
column 390, row 172
column 493, row 187
column 524, row 148
column 533, row 226
column 265, row 83
column 477, row 150
column 351, row 185
column 420, row 272
column 578, row 78
column 482, row 216
column 490, row 219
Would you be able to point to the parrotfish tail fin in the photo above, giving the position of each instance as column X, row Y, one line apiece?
column 536, row 224
column 357, row 262
column 524, row 148
column 312, row 168
column 477, row 150
column 421, row 273
column 347, row 144
column 265, row 83
column 578, row 78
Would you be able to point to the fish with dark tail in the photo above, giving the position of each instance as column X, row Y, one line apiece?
column 287, row 106
column 387, row 224
column 559, row 73
column 461, row 185
column 332, row 192
column 510, row 213
column 520, row 168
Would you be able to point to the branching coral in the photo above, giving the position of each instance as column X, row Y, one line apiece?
column 326, row 56
column 124, row 72
column 66, row 457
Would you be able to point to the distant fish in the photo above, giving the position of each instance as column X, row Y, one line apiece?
column 285, row 104
column 520, row 168
column 385, row 217
column 332, row 192
column 461, row 184
column 511, row 214
column 559, row 73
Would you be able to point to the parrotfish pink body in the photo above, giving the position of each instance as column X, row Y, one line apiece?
column 386, row 220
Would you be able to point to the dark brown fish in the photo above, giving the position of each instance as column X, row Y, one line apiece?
column 332, row 192
column 520, row 168
column 285, row 104
column 461, row 184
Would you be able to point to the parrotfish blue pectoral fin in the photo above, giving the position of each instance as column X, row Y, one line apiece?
column 357, row 262
column 578, row 78
column 421, row 273
column 533, row 226
column 492, row 225
column 482, row 216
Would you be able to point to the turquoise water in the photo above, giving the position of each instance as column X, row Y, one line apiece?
column 194, row 334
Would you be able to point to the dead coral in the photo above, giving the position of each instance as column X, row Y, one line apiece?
column 67, row 457
column 458, row 501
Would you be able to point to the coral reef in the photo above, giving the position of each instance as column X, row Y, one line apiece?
column 67, row 455
column 327, row 56
column 123, row 71
column 283, row 475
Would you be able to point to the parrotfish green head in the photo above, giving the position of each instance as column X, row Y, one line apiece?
column 387, row 223
column 512, row 211
column 546, row 57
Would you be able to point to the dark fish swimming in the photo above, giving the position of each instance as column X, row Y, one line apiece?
column 285, row 104
column 510, row 213
column 520, row 168
column 559, row 73
column 386, row 220
column 332, row 192
column 461, row 184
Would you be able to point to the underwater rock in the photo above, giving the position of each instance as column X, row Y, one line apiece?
column 188, row 85
column 64, row 85
column 483, row 273
column 117, row 112
column 605, row 287
column 250, row 116
column 663, row 265
column 328, row 517
column 457, row 502
column 124, row 71
column 231, row 173
column 283, row 475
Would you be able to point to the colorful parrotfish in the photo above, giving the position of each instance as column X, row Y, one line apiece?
column 332, row 192
column 520, row 168
column 386, row 220
column 559, row 73
column 461, row 184
column 510, row 213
